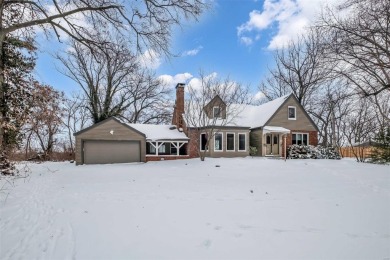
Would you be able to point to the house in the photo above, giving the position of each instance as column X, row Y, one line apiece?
column 114, row 141
column 269, row 127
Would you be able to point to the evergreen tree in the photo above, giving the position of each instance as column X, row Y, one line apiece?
column 17, row 64
column 381, row 153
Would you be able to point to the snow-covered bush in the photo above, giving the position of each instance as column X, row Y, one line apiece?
column 253, row 150
column 312, row 152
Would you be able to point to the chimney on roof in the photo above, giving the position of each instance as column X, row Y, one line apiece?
column 178, row 111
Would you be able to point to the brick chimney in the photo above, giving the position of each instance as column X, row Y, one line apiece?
column 178, row 111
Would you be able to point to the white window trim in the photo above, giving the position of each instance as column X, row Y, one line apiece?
column 234, row 142
column 220, row 112
column 298, row 133
column 245, row 142
column 295, row 113
column 215, row 135
column 200, row 143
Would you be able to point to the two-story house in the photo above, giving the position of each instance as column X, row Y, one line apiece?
column 270, row 127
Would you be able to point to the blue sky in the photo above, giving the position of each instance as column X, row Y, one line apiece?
column 236, row 38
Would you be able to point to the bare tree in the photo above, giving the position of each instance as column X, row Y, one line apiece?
column 149, row 97
column 360, row 43
column 147, row 24
column 228, row 96
column 75, row 117
column 103, row 75
column 300, row 69
column 330, row 107
column 115, row 84
column 45, row 118
column 359, row 127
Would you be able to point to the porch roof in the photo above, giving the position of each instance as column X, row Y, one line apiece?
column 275, row 129
column 160, row 132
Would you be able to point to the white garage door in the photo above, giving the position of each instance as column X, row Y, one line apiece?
column 101, row 151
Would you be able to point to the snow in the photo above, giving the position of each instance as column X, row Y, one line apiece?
column 257, row 116
column 275, row 129
column 254, row 208
column 159, row 132
column 244, row 115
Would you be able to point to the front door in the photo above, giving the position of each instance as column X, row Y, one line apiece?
column 272, row 144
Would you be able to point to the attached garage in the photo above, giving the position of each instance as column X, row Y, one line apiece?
column 110, row 141
column 106, row 151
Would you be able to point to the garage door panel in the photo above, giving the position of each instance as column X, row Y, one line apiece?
column 97, row 152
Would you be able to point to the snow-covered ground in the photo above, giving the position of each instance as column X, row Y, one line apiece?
column 246, row 208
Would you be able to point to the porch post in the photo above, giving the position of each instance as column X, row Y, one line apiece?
column 177, row 149
column 285, row 145
column 157, row 146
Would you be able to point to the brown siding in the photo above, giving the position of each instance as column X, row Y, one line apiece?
column 102, row 132
column 302, row 122
column 256, row 140
column 215, row 102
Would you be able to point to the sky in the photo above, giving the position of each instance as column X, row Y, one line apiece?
column 235, row 39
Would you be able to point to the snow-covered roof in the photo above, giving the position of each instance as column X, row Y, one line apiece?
column 159, row 132
column 275, row 129
column 256, row 116
column 248, row 115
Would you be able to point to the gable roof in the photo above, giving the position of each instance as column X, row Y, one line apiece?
column 103, row 122
column 251, row 116
column 298, row 104
column 150, row 132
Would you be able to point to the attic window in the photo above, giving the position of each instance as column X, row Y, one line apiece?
column 292, row 113
column 217, row 112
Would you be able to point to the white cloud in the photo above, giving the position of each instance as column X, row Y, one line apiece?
column 258, row 96
column 192, row 52
column 150, row 59
column 291, row 17
column 178, row 78
column 196, row 83
column 246, row 40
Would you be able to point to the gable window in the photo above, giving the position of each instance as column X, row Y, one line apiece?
column 218, row 142
column 241, row 142
column 230, row 141
column 300, row 139
column 203, row 142
column 217, row 112
column 292, row 113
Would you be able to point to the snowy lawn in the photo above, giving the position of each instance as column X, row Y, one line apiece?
column 246, row 208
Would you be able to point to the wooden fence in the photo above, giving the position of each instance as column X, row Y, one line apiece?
column 362, row 152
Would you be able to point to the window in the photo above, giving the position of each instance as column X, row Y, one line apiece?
column 218, row 142
column 241, row 142
column 164, row 148
column 268, row 139
column 217, row 112
column 150, row 148
column 300, row 139
column 230, row 141
column 292, row 113
column 203, row 142
column 275, row 139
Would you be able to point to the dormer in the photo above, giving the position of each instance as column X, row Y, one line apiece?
column 216, row 108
